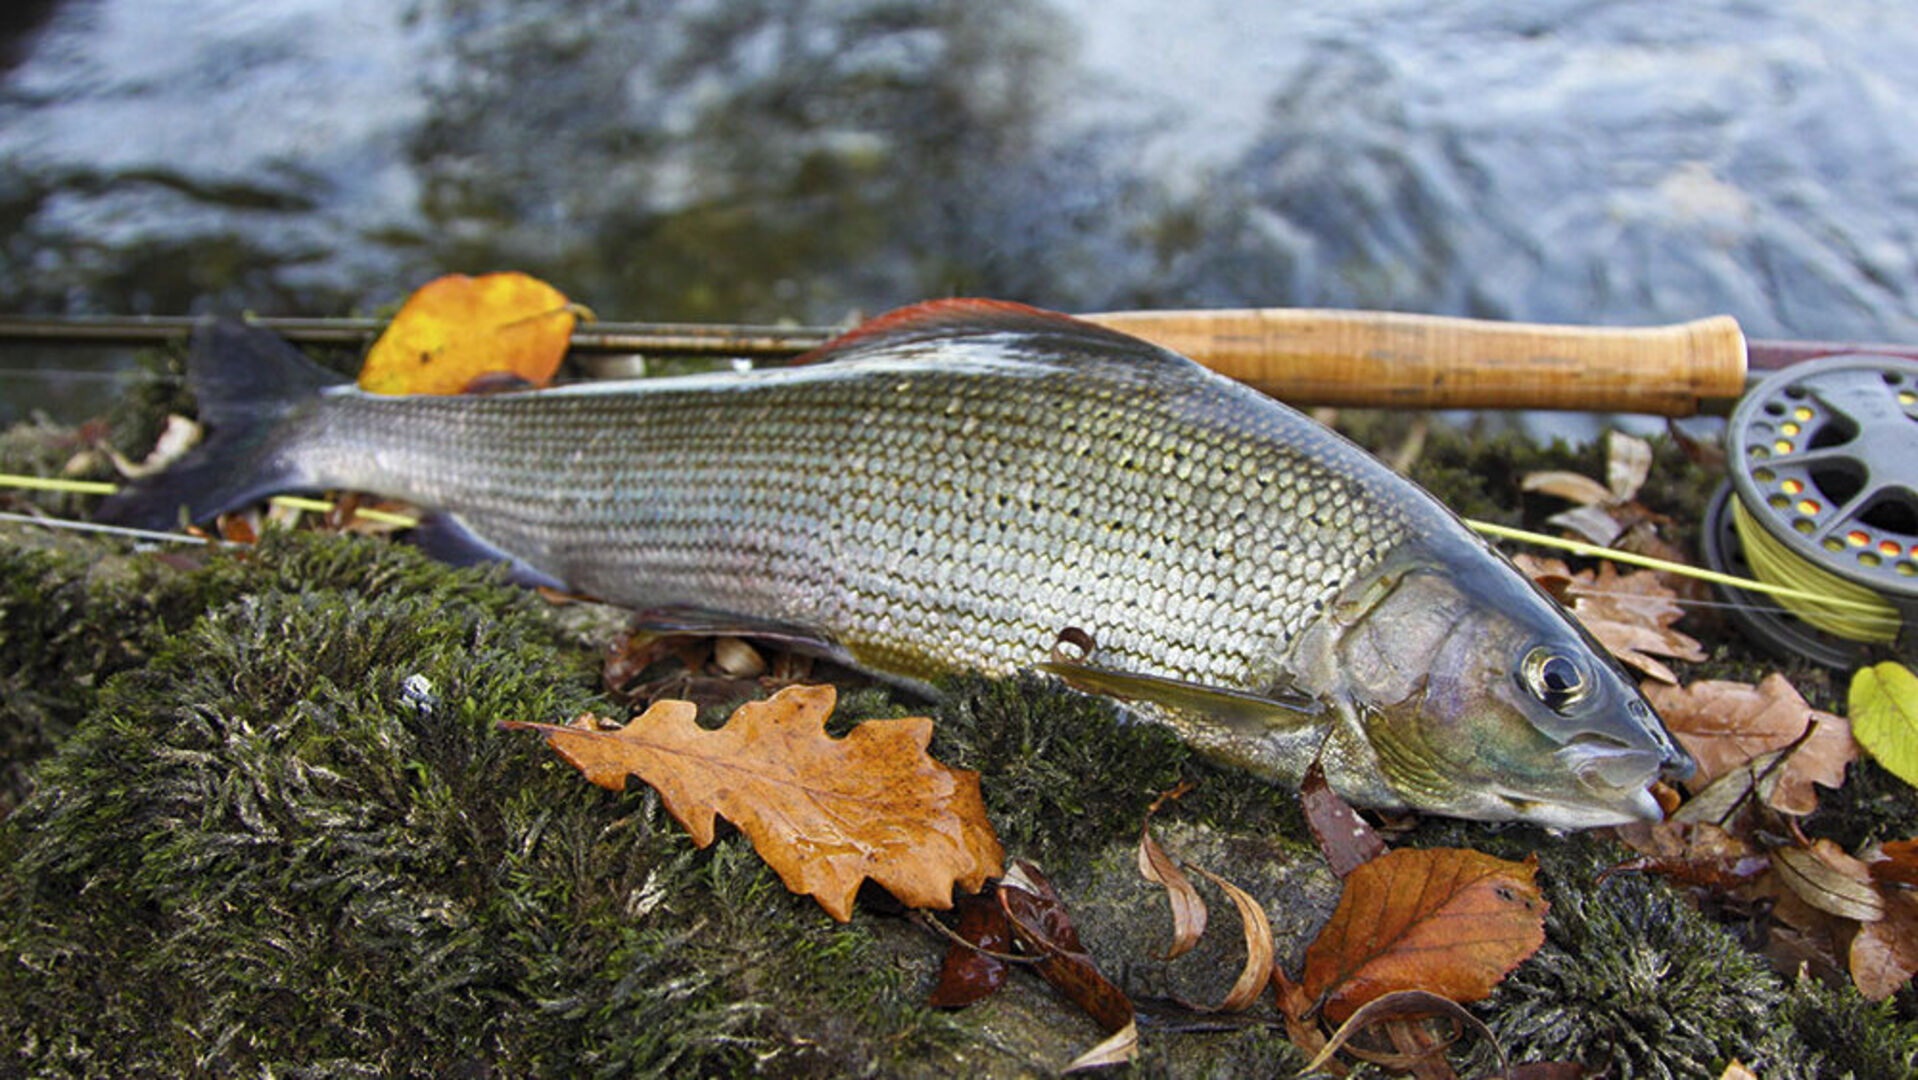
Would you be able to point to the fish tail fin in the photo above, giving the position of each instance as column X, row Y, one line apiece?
column 248, row 381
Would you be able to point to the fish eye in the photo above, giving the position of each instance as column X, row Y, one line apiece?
column 1554, row 678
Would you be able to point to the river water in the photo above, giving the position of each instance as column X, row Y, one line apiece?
column 1630, row 161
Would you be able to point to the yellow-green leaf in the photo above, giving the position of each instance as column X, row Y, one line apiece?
column 455, row 329
column 1884, row 717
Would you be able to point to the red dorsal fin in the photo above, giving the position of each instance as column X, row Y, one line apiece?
column 965, row 317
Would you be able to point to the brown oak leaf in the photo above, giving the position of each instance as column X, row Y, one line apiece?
column 1884, row 954
column 1727, row 724
column 824, row 813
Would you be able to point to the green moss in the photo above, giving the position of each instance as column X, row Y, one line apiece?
column 285, row 861
column 1856, row 1039
column 69, row 618
column 1632, row 972
column 1063, row 773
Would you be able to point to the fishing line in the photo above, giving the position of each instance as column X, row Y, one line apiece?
column 1822, row 497
column 90, row 376
column 110, row 530
column 101, row 487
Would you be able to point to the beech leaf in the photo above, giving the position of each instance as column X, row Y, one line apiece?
column 1118, row 1048
column 824, row 813
column 1898, row 864
column 1570, row 486
column 1628, row 461
column 1404, row 1005
column 1188, row 908
column 455, row 331
column 1443, row 920
column 1727, row 724
column 1884, row 954
column 1884, row 717
column 1259, row 946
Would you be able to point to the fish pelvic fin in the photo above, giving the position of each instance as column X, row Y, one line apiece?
column 248, row 380
column 1243, row 712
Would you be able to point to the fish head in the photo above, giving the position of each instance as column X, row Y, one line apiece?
column 1479, row 697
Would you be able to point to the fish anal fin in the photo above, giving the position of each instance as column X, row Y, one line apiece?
column 1279, row 710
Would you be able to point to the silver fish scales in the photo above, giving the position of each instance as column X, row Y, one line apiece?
column 955, row 485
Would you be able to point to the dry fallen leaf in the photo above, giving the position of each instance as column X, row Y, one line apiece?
column 1570, row 486
column 1630, row 614
column 1828, row 879
column 1188, row 909
column 824, row 813
column 1884, row 954
column 1628, row 461
column 1344, row 838
column 1399, row 1009
column 1448, row 921
column 971, row 972
column 1259, row 945
column 457, row 329
column 1040, row 922
column 1726, row 724
column 1897, row 863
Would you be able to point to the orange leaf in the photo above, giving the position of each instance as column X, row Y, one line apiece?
column 1726, row 724
column 1884, row 954
column 1447, row 921
column 456, row 329
column 825, row 813
column 1898, row 864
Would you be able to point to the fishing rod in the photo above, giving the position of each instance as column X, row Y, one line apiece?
column 1300, row 355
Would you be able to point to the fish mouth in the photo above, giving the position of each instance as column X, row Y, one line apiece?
column 1622, row 808
column 1603, row 763
column 1613, row 787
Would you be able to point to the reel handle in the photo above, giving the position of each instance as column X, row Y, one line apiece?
column 1308, row 356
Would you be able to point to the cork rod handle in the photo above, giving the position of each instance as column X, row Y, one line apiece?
column 1314, row 357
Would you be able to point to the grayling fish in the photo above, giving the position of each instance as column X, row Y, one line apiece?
column 952, row 487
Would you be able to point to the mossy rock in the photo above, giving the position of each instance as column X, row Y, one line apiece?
column 272, row 828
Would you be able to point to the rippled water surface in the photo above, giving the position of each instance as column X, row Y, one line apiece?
column 1616, row 162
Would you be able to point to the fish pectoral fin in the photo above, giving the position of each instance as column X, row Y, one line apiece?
column 705, row 622
column 1257, row 714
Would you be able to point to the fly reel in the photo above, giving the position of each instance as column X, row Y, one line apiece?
column 1823, row 498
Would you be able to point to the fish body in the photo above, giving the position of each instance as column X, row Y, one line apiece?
column 953, row 486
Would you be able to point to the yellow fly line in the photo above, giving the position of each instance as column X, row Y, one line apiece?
column 291, row 502
column 1819, row 598
column 1836, row 606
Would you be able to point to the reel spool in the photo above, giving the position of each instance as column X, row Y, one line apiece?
column 1823, row 496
